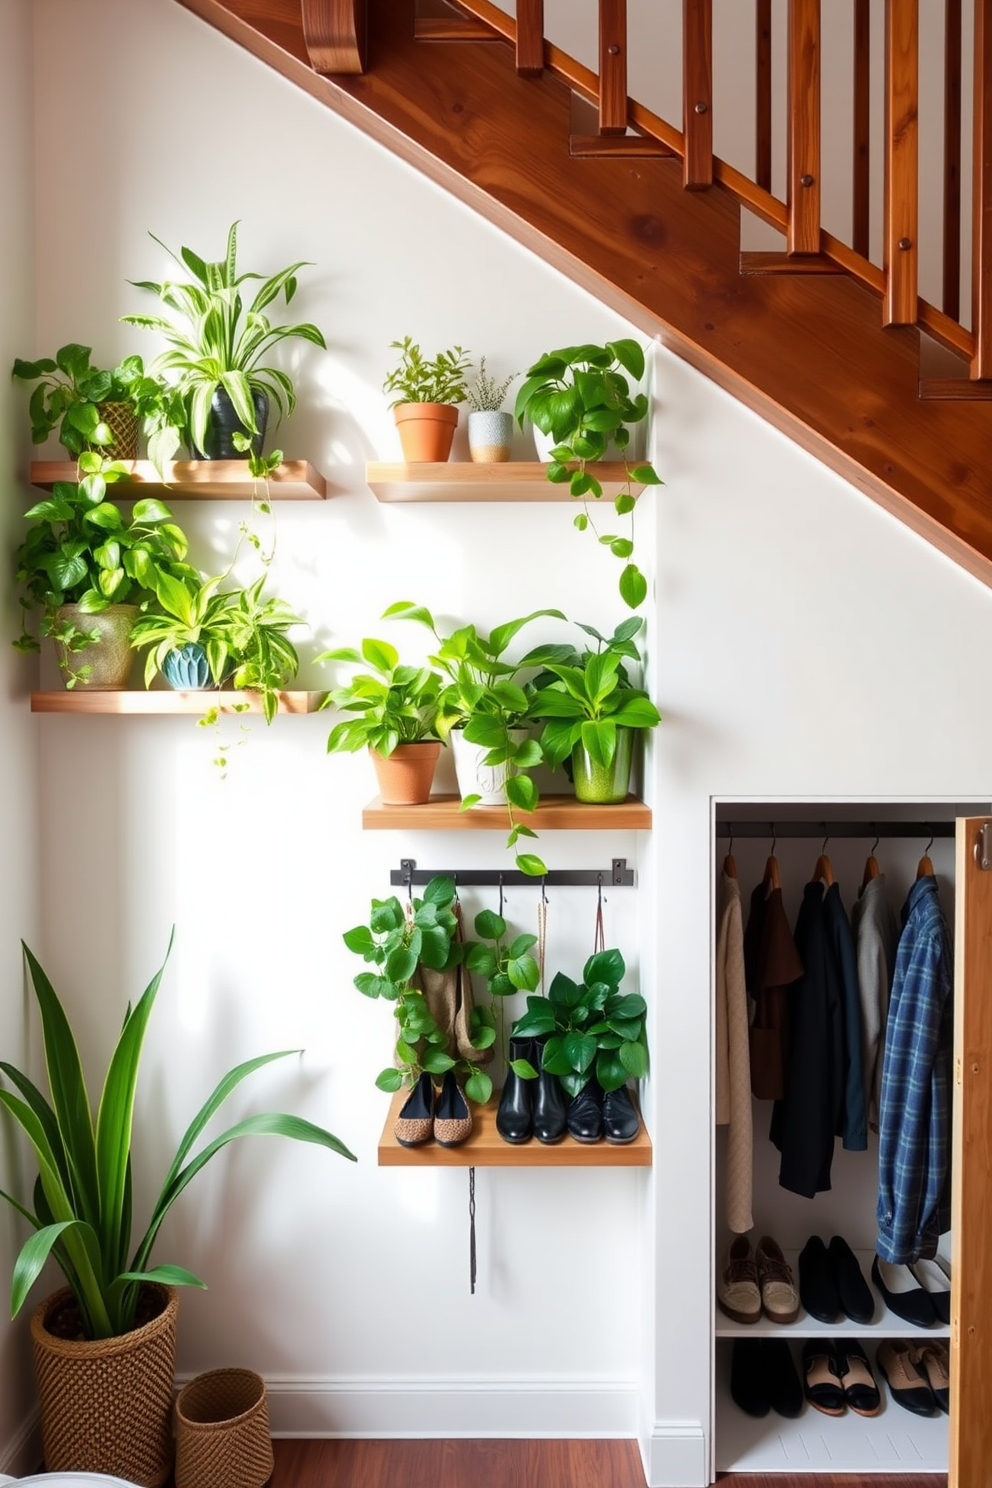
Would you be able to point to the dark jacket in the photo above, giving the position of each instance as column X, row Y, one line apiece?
column 853, row 1125
column 771, row 968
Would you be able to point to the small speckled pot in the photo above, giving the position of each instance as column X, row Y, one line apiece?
column 490, row 435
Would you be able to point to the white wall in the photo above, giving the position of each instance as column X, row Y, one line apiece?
column 802, row 643
column 19, row 901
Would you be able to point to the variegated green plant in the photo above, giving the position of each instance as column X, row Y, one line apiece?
column 82, row 1194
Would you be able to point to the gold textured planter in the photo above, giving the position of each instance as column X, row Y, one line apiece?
column 111, row 658
column 106, row 1403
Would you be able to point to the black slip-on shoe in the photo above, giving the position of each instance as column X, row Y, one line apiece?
column 785, row 1390
column 860, row 1390
column 585, row 1114
column 902, row 1294
column 821, row 1376
column 855, row 1294
column 748, row 1377
column 818, row 1290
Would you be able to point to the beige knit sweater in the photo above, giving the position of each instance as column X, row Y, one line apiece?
column 733, row 1066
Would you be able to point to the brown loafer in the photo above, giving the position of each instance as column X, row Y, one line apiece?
column 737, row 1289
column 779, row 1296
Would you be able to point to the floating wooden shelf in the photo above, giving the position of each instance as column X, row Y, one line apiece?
column 514, row 480
column 91, row 700
column 201, row 480
column 485, row 1148
column 444, row 814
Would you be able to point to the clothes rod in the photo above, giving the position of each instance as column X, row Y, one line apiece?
column 618, row 875
column 829, row 829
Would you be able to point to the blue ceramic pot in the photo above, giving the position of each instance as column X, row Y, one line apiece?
column 187, row 669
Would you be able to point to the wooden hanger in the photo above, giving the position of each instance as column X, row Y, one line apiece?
column 924, row 868
column 771, row 880
column 871, row 866
column 823, row 867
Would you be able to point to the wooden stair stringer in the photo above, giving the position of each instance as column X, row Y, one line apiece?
column 808, row 353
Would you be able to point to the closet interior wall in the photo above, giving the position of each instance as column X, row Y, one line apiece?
column 895, row 1440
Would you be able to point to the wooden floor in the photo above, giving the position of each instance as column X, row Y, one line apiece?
column 514, row 1464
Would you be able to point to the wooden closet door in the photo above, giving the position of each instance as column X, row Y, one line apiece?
column 971, row 1196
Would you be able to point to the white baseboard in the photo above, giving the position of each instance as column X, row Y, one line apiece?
column 475, row 1407
column 22, row 1453
column 674, row 1455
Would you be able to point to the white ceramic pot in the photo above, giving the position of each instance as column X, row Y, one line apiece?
column 490, row 436
column 636, row 449
column 473, row 777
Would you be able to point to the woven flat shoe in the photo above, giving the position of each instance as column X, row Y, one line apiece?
column 779, row 1297
column 933, row 1359
column 415, row 1124
column 737, row 1287
column 452, row 1117
column 897, row 1363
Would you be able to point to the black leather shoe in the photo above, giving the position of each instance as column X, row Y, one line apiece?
column 903, row 1296
column 550, row 1108
column 785, row 1390
column 748, row 1379
column 515, row 1113
column 620, row 1121
column 821, row 1384
column 585, row 1114
column 855, row 1293
column 860, row 1390
column 818, row 1290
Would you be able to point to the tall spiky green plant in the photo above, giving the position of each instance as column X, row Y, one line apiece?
column 82, row 1194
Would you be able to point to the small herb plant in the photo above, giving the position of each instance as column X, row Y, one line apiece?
column 393, row 703
column 486, row 395
column 397, row 941
column 580, row 395
column 591, row 1027
column 420, row 379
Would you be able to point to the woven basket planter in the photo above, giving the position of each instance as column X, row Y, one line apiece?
column 106, row 1403
column 122, row 421
column 222, row 1431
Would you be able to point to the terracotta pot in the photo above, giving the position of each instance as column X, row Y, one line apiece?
column 106, row 1403
column 405, row 777
column 111, row 658
column 426, row 430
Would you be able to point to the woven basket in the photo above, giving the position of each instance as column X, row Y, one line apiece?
column 106, row 1403
column 122, row 421
column 222, row 1431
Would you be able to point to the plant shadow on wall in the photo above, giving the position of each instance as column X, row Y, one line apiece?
column 579, row 396
column 81, row 1215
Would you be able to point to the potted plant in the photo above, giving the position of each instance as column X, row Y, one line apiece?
column 593, row 713
column 395, row 718
column 580, row 398
column 484, row 709
column 85, row 407
column 105, row 1344
column 428, row 390
column 490, row 426
column 218, row 346
column 405, row 947
column 85, row 566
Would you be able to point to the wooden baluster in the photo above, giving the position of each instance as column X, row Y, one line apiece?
column 803, row 232
column 951, row 298
column 697, row 92
column 862, row 146
column 530, row 37
column 763, row 94
column 334, row 33
column 981, row 252
column 900, row 256
column 613, row 66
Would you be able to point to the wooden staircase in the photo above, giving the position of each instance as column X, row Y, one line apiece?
column 817, row 339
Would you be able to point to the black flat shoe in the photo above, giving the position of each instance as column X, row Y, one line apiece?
column 821, row 1377
column 903, row 1297
column 785, row 1391
column 818, row 1291
column 748, row 1378
column 620, row 1121
column 855, row 1294
column 585, row 1114
column 937, row 1285
column 860, row 1390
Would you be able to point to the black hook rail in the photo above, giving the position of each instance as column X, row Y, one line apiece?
column 618, row 875
column 867, row 829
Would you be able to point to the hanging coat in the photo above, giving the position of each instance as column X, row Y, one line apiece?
column 771, row 967
column 733, row 1064
column 876, row 936
column 853, row 1125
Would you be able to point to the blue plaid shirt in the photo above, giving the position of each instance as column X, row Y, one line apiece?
column 915, row 1105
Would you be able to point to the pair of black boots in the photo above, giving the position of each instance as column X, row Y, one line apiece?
column 539, row 1107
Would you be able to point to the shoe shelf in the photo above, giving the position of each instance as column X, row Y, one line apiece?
column 511, row 480
column 444, row 813
column 893, row 1441
column 155, row 700
column 201, row 480
column 485, row 1148
column 885, row 1324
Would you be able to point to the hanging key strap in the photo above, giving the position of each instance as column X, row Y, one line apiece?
column 599, row 939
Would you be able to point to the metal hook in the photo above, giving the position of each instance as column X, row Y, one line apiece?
column 878, row 838
column 826, row 838
column 501, row 896
column 544, row 881
column 771, row 850
column 408, row 880
column 929, row 845
column 730, row 844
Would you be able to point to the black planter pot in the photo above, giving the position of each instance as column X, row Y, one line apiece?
column 224, row 423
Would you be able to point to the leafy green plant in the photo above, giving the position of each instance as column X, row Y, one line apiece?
column 66, row 401
column 397, row 943
column 506, row 967
column 218, row 338
column 591, row 1027
column 420, row 379
column 393, row 703
column 580, row 396
column 484, row 695
column 486, row 394
column 591, row 697
column 81, row 1211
